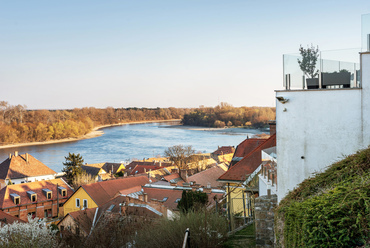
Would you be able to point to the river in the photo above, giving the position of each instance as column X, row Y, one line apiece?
column 134, row 141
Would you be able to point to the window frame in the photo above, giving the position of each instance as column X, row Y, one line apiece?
column 78, row 203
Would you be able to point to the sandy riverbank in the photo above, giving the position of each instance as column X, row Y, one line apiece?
column 96, row 132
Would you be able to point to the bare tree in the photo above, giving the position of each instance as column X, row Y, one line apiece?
column 181, row 155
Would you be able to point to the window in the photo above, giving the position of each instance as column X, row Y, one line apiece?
column 110, row 208
column 62, row 191
column 32, row 195
column 16, row 198
column 165, row 199
column 77, row 203
column 47, row 213
column 85, row 203
column 33, row 214
column 177, row 200
column 47, row 193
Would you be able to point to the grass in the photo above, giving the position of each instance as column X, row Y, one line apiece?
column 244, row 238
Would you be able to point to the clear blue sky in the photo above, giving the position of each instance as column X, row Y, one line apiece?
column 134, row 53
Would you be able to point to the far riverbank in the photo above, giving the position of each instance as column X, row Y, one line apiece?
column 95, row 132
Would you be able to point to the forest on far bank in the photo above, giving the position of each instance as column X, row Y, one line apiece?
column 226, row 115
column 20, row 125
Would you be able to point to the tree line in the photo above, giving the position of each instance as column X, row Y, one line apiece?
column 18, row 125
column 226, row 115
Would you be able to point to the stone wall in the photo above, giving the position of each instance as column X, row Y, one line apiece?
column 264, row 219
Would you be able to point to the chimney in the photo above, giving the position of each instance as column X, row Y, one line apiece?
column 10, row 156
column 272, row 127
column 144, row 170
column 16, row 153
column 145, row 197
column 27, row 157
column 141, row 197
column 184, row 174
column 160, row 163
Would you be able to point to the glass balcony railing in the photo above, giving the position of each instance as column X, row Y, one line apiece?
column 335, row 69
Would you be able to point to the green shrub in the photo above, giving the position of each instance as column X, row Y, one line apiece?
column 331, row 209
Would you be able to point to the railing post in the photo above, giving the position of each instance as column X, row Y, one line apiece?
column 186, row 242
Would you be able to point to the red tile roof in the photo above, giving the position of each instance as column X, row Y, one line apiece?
column 248, row 145
column 6, row 200
column 9, row 219
column 138, row 167
column 207, row 176
column 19, row 167
column 224, row 150
column 102, row 192
column 172, row 195
column 248, row 164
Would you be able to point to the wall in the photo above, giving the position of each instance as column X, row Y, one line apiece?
column 318, row 127
column 70, row 205
column 264, row 219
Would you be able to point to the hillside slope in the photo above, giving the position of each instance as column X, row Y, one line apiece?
column 331, row 209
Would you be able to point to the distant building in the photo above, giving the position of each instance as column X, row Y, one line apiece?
column 23, row 169
column 223, row 154
column 42, row 199
column 95, row 194
column 103, row 171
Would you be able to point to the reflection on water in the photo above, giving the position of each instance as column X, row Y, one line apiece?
column 122, row 143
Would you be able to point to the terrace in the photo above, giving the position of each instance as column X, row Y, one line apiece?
column 335, row 69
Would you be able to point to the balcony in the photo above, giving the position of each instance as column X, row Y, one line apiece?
column 336, row 69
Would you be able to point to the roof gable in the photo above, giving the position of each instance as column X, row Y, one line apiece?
column 248, row 145
column 101, row 192
column 249, row 163
column 21, row 166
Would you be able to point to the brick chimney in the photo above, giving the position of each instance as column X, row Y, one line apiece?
column 272, row 127
column 145, row 197
column 184, row 175
column 16, row 153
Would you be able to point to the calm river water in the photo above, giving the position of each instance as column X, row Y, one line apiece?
column 127, row 142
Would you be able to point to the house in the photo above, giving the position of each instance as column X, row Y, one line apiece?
column 207, row 178
column 223, row 154
column 22, row 169
column 171, row 195
column 83, row 221
column 95, row 194
column 42, row 199
column 8, row 219
column 320, row 126
column 240, row 195
column 139, row 167
column 103, row 171
column 267, row 172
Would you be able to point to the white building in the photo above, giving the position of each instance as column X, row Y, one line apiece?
column 317, row 127
column 23, row 169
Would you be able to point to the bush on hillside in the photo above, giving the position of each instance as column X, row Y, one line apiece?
column 331, row 209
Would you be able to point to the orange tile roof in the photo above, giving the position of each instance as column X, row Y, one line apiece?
column 172, row 195
column 207, row 176
column 248, row 164
column 21, row 189
column 224, row 150
column 101, row 192
column 248, row 145
column 19, row 167
column 9, row 219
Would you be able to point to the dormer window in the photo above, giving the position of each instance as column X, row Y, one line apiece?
column 32, row 195
column 16, row 199
column 48, row 193
column 62, row 191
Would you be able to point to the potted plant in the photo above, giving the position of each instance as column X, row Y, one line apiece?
column 308, row 65
column 343, row 77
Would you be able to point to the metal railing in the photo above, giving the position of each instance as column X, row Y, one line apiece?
column 186, row 243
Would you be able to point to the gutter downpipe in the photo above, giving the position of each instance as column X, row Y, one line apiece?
column 93, row 224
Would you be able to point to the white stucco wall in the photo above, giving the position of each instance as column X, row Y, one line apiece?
column 322, row 126
column 263, row 185
column 31, row 179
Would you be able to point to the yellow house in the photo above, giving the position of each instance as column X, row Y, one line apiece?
column 239, row 194
column 103, row 171
column 95, row 194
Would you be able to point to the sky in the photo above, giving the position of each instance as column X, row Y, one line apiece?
column 159, row 53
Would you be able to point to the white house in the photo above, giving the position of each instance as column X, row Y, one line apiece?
column 316, row 127
column 24, row 168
